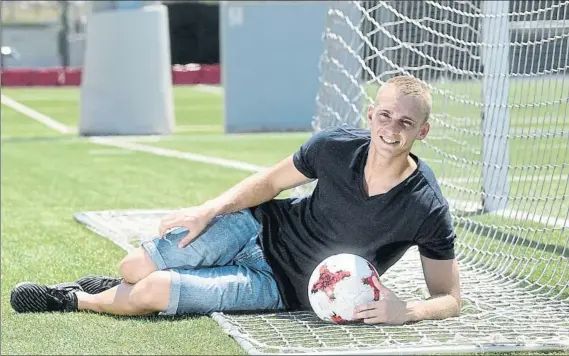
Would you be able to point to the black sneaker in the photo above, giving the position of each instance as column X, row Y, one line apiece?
column 98, row 284
column 27, row 297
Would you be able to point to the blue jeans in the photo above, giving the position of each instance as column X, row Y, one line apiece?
column 223, row 269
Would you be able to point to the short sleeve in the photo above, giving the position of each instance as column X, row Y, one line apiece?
column 307, row 157
column 436, row 236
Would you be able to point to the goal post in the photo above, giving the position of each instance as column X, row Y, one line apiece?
column 495, row 99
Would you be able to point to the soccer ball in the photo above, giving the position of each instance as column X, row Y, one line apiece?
column 339, row 284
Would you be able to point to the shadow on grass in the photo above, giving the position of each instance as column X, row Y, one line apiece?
column 155, row 318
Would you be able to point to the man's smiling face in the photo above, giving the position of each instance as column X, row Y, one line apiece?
column 396, row 120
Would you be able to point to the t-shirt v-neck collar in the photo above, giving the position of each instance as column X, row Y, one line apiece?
column 360, row 167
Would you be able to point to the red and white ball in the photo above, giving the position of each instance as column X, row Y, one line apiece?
column 339, row 284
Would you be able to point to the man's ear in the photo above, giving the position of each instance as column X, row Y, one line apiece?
column 424, row 131
column 370, row 112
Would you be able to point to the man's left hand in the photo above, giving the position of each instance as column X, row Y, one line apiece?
column 389, row 309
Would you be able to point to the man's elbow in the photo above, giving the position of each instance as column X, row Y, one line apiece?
column 458, row 304
column 453, row 304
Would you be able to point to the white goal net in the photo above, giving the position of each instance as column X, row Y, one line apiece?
column 499, row 145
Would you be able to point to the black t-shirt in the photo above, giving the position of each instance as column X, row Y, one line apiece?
column 339, row 217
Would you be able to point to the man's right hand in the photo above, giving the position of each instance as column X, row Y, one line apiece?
column 195, row 219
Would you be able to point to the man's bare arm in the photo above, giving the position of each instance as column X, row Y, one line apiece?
column 257, row 188
column 444, row 286
column 443, row 282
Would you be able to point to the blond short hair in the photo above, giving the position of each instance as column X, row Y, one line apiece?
column 413, row 87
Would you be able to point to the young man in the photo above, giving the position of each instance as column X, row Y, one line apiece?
column 246, row 250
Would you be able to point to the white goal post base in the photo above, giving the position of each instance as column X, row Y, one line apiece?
column 126, row 86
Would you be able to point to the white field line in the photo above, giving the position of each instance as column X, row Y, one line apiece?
column 177, row 154
column 114, row 142
column 131, row 146
column 559, row 222
column 215, row 89
column 513, row 179
column 470, row 206
column 31, row 113
column 197, row 128
column 431, row 160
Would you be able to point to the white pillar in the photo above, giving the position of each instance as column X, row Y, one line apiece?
column 126, row 84
column 495, row 115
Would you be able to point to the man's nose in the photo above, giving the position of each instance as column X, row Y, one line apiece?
column 392, row 127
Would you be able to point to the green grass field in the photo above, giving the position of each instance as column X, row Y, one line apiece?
column 48, row 176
